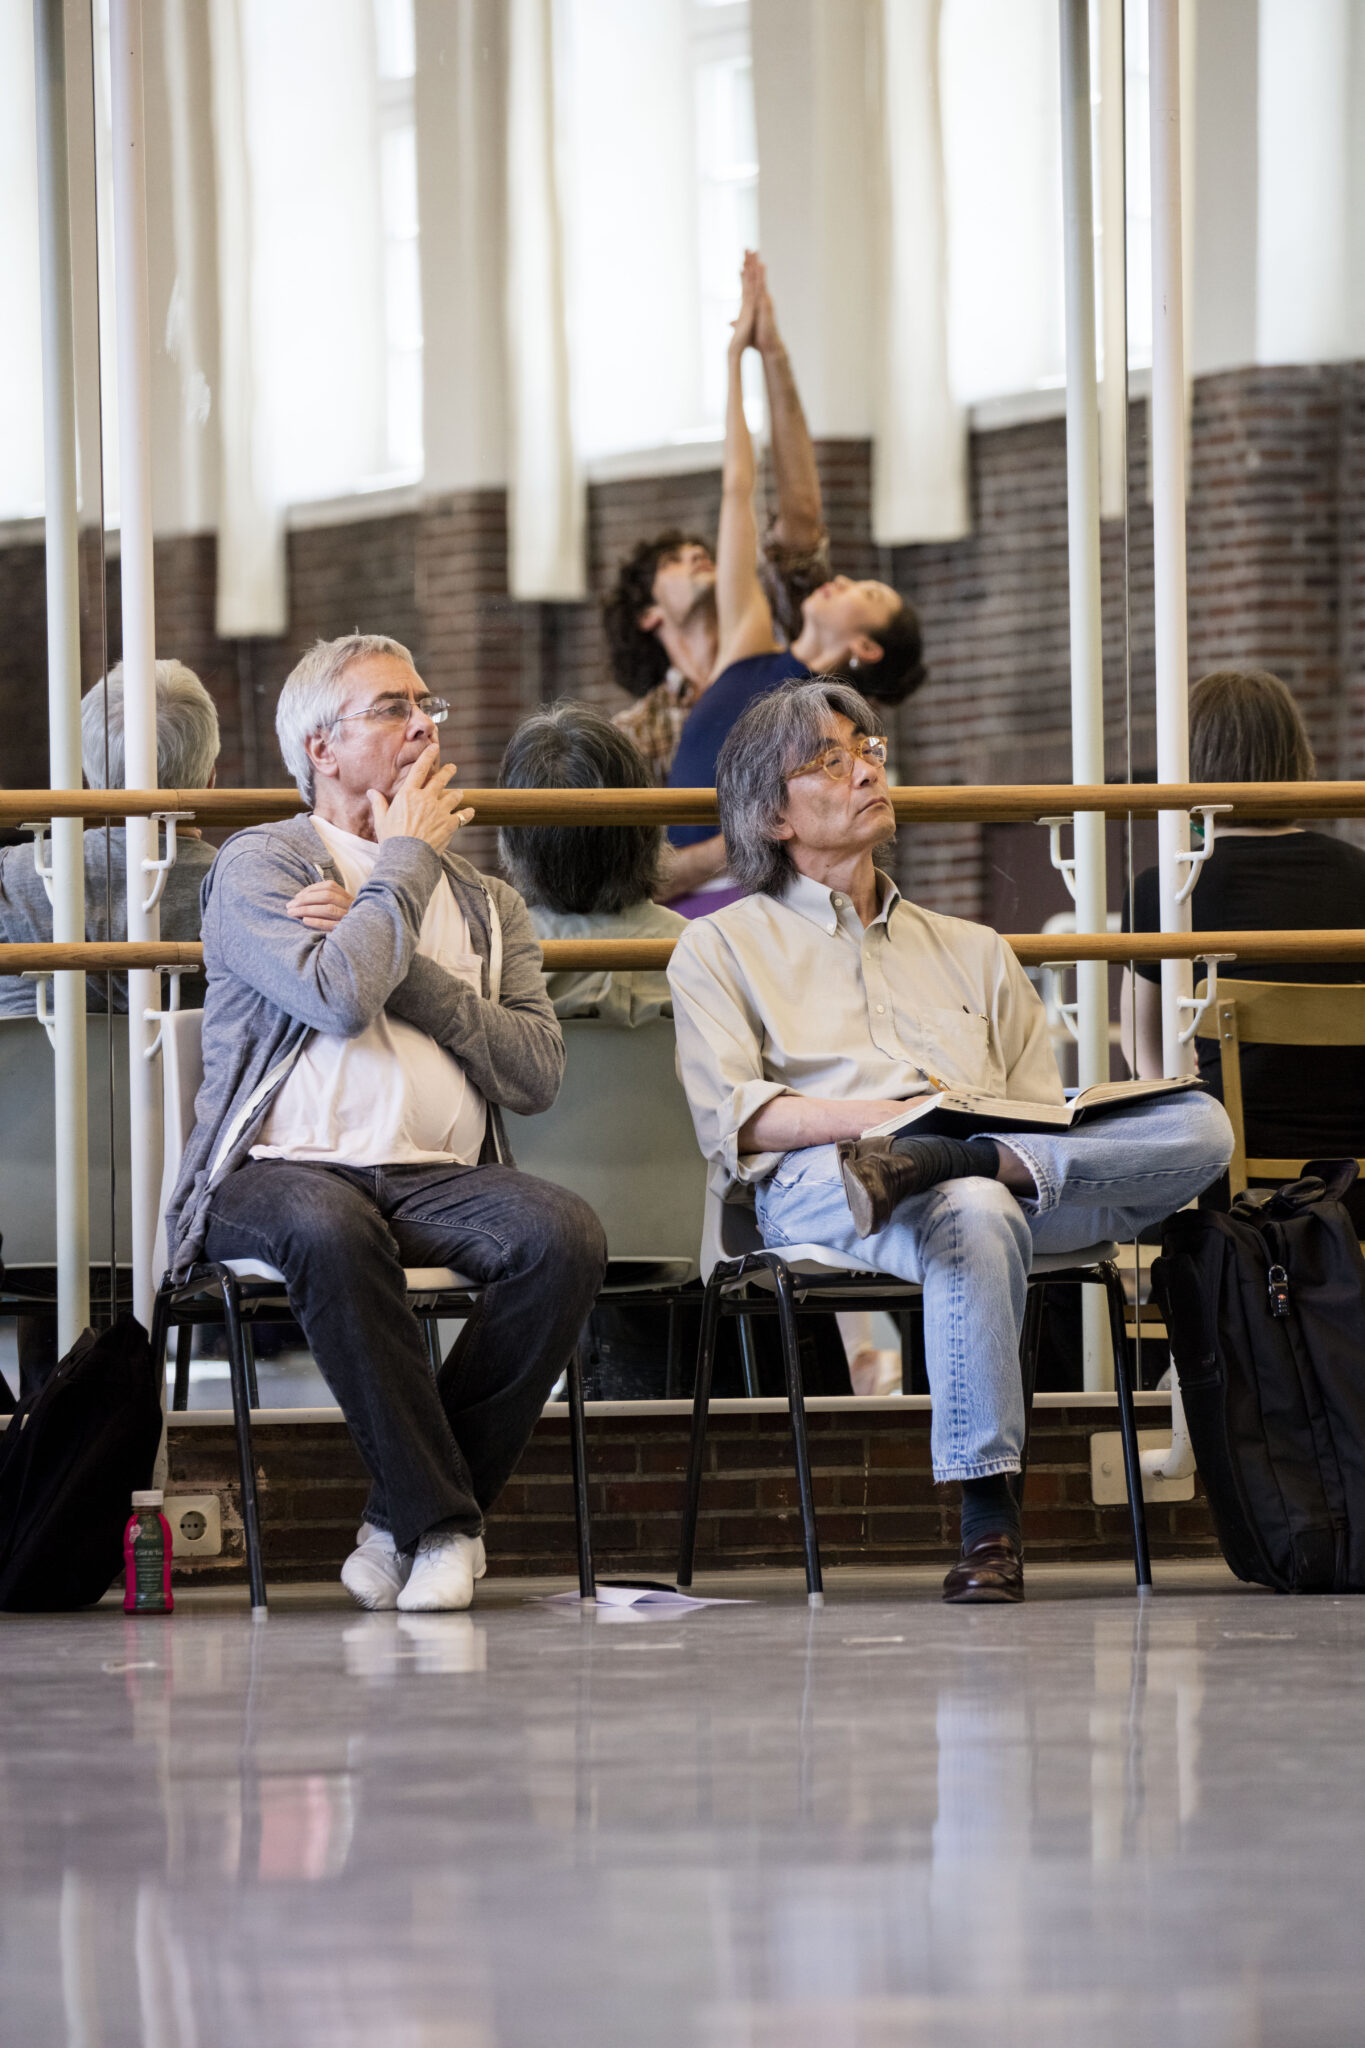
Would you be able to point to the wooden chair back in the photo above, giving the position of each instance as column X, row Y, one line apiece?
column 1275, row 1013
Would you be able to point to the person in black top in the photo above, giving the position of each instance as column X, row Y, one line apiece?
column 864, row 628
column 1268, row 876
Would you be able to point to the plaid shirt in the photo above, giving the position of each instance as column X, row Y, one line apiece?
column 655, row 721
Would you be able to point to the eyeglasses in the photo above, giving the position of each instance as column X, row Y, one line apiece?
column 398, row 710
column 837, row 762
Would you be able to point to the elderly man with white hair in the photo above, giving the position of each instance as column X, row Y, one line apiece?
column 186, row 758
column 374, row 1004
column 822, row 1003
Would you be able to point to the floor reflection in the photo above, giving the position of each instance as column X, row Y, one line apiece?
column 882, row 1822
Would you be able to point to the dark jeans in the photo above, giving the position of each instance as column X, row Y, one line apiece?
column 438, row 1451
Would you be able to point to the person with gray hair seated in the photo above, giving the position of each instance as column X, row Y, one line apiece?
column 588, row 881
column 821, row 1003
column 374, row 1003
column 186, row 758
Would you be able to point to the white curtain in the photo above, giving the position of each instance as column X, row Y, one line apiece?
column 251, row 596
column 1311, row 290
column 304, row 369
column 919, row 466
column 546, row 509
column 21, row 338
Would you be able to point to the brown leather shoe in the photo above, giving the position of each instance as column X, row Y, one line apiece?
column 991, row 1571
column 875, row 1180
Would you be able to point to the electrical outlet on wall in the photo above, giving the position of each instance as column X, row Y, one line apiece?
column 196, row 1521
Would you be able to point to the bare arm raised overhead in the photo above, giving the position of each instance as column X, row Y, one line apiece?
column 744, row 620
column 800, row 524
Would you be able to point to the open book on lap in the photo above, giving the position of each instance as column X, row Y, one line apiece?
column 958, row 1113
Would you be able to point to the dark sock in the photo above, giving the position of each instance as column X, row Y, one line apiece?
column 949, row 1158
column 989, row 1508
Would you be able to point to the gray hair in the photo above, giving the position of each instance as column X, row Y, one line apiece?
column 186, row 729
column 314, row 695
column 778, row 732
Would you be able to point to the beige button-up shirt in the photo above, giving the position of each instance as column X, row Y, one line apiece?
column 792, row 995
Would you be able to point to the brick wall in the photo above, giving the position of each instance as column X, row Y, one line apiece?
column 876, row 1500
column 1276, row 576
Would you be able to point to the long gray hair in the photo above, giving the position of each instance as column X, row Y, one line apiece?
column 777, row 733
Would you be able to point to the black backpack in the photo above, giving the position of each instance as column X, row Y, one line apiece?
column 69, row 1461
column 1265, row 1307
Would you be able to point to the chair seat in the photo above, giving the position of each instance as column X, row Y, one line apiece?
column 418, row 1279
column 815, row 1261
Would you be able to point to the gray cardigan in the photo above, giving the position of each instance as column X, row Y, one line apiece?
column 272, row 983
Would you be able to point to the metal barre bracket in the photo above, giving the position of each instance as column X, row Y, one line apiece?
column 1194, row 860
column 1197, row 1005
column 40, row 981
column 45, row 873
column 161, row 868
column 157, row 1017
column 1066, row 868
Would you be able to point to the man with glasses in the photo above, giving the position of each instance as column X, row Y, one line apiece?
column 817, row 1006
column 373, row 1004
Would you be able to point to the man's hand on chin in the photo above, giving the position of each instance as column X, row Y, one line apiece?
column 422, row 806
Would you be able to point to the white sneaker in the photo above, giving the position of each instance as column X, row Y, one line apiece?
column 376, row 1571
column 443, row 1573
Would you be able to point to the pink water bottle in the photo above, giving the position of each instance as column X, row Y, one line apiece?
column 147, row 1557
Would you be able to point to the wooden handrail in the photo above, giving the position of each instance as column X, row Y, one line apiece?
column 1034, row 949
column 914, row 803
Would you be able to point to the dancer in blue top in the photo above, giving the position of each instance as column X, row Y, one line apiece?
column 864, row 629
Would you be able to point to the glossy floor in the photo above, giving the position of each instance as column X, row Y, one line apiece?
column 748, row 1826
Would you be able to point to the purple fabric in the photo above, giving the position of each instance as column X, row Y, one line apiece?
column 704, row 902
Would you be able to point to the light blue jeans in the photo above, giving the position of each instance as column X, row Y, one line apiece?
column 969, row 1244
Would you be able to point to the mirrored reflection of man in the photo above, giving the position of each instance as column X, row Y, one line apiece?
column 822, row 1001
column 374, row 1003
column 186, row 758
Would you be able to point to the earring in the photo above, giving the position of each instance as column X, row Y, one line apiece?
column 853, row 661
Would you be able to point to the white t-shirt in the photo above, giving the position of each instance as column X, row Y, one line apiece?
column 392, row 1096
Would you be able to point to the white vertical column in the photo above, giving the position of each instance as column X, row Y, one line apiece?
column 1168, row 503
column 1113, row 293
column 547, row 504
column 139, row 628
column 1083, row 553
column 63, row 663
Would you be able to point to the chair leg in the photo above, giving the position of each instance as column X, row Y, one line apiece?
column 748, row 1356
column 241, row 1416
column 1030, row 1341
column 587, row 1583
column 184, row 1347
column 161, row 1316
column 431, row 1332
column 796, row 1402
column 249, row 1357
column 701, row 1402
column 673, row 1366
column 1108, row 1273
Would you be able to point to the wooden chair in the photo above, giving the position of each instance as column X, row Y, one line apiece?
column 1299, row 1013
